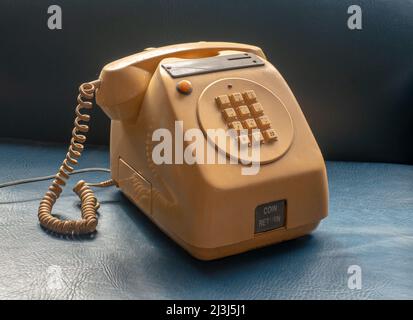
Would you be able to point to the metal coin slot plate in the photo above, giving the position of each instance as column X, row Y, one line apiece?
column 190, row 67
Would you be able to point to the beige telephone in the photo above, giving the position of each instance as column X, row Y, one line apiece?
column 211, row 210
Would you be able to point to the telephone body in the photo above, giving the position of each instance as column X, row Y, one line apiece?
column 212, row 210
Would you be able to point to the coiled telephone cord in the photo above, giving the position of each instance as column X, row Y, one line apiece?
column 89, row 204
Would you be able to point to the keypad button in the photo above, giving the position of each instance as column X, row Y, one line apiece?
column 223, row 102
column 270, row 135
column 256, row 109
column 249, row 96
column 249, row 124
column 244, row 140
column 236, row 125
column 243, row 112
column 236, row 99
column 229, row 114
column 257, row 137
column 263, row 122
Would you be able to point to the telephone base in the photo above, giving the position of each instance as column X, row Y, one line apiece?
column 213, row 208
column 259, row 241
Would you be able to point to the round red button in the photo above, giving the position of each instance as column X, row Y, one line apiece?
column 184, row 87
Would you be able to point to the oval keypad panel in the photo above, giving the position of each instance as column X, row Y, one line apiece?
column 255, row 113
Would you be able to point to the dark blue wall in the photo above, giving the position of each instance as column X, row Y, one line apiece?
column 355, row 87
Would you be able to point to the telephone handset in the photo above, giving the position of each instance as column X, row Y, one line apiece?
column 124, row 82
column 211, row 210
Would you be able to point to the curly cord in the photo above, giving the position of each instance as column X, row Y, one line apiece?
column 43, row 178
column 89, row 204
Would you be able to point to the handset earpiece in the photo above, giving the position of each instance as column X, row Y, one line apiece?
column 122, row 90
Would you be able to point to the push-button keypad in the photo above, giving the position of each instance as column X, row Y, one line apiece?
column 244, row 111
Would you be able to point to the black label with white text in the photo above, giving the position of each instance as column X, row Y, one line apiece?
column 270, row 216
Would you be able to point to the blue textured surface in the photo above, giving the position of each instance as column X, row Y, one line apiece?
column 370, row 225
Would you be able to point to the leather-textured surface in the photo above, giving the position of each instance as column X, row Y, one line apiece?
column 370, row 225
column 354, row 87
